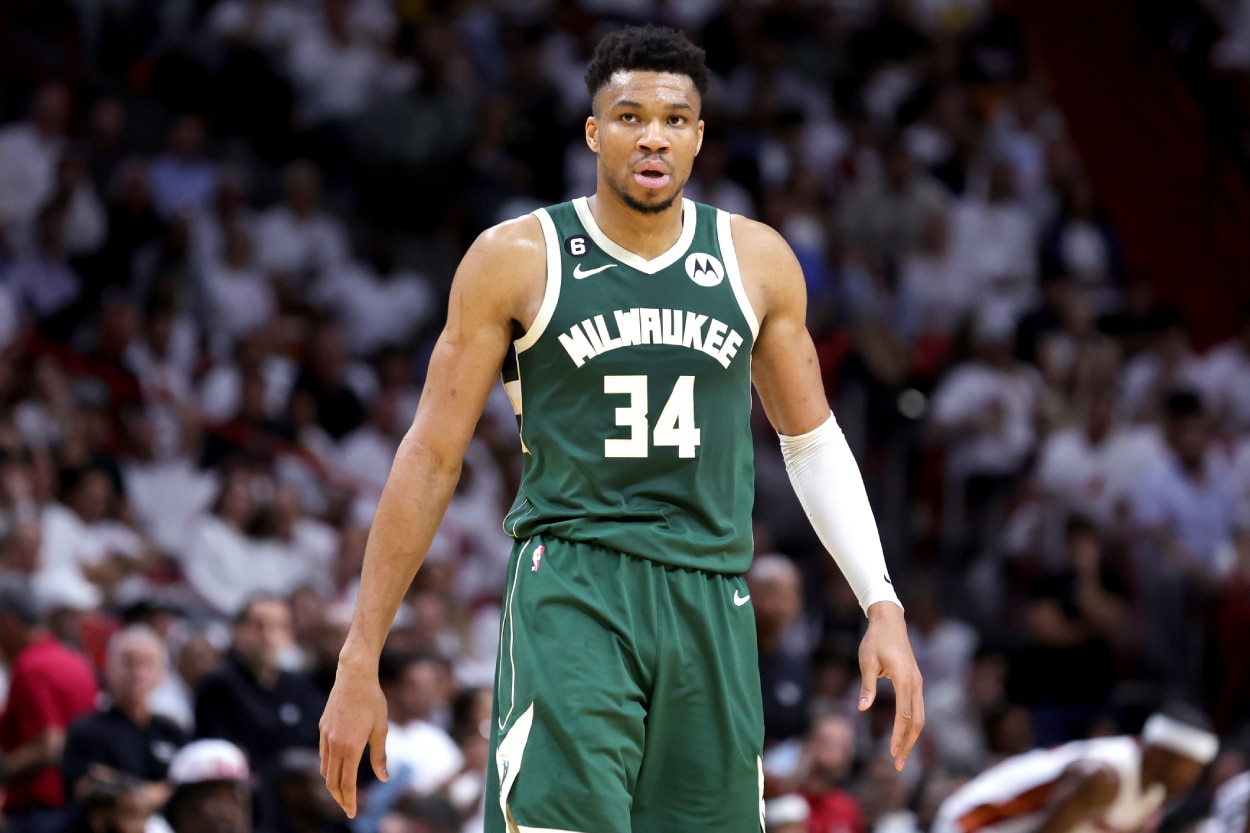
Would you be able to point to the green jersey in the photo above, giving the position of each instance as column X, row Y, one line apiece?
column 632, row 390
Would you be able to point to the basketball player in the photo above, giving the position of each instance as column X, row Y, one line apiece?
column 1105, row 785
column 629, row 326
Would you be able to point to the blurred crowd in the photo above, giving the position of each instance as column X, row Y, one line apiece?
column 227, row 231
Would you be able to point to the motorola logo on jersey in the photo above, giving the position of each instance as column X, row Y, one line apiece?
column 704, row 269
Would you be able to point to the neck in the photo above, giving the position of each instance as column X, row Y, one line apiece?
column 137, row 712
column 646, row 235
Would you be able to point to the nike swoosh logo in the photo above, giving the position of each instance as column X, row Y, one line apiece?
column 741, row 600
column 579, row 273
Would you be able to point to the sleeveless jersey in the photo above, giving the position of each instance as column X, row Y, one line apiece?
column 1011, row 797
column 632, row 391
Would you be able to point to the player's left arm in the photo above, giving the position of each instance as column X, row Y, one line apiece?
column 822, row 469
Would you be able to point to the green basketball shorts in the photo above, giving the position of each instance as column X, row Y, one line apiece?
column 627, row 698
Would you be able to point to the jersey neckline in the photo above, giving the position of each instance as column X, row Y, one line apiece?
column 630, row 259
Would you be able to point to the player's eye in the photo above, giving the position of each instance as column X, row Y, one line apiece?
column 629, row 117
column 676, row 121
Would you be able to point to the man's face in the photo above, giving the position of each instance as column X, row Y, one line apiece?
column 646, row 130
column 135, row 670
column 263, row 633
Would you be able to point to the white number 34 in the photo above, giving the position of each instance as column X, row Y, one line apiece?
column 674, row 428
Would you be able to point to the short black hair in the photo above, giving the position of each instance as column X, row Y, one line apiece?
column 646, row 48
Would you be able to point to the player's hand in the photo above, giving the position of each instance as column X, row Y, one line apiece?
column 355, row 714
column 886, row 652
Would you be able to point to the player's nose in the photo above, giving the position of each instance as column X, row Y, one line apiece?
column 654, row 138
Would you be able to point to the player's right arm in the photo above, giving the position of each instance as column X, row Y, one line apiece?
column 498, row 284
column 1082, row 794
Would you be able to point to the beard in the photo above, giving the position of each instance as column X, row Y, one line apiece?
column 637, row 205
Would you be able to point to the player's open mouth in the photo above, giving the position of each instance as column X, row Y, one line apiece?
column 651, row 178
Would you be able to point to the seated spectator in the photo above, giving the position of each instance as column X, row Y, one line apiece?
column 1074, row 618
column 297, row 240
column 111, row 803
column 938, row 293
column 1227, row 383
column 777, row 597
column 1185, row 512
column 1149, row 377
column 306, row 806
column 45, row 287
column 240, row 300
column 420, row 755
column 86, row 224
column 29, row 151
column 125, row 738
column 50, row 686
column 182, row 178
column 198, row 654
column 250, row 700
column 1080, row 243
column 212, row 789
column 887, row 216
column 335, row 387
column 786, row 814
column 221, row 559
column 993, row 238
column 824, row 775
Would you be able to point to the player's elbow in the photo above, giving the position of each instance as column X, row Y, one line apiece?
column 438, row 456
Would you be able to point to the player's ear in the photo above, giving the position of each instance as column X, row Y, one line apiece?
column 699, row 145
column 592, row 134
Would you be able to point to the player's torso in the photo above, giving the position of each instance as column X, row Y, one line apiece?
column 633, row 395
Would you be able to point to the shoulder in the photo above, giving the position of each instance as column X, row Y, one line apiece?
column 771, row 273
column 757, row 241
column 519, row 237
column 506, row 257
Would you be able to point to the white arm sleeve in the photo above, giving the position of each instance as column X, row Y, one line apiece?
column 827, row 481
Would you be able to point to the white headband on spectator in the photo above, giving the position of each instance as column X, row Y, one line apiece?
column 1181, row 738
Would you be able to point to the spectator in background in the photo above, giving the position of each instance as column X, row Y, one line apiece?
column 239, row 297
column 306, row 806
column 825, row 774
column 887, row 217
column 297, row 240
column 211, row 789
column 29, row 151
column 1230, row 634
column 1166, row 365
column 937, row 289
column 110, row 804
column 420, row 754
column 196, row 655
column 786, row 814
column 45, row 287
column 1093, row 468
column 182, row 178
column 777, row 597
column 86, row 224
column 1185, row 511
column 1227, row 383
column 327, row 378
column 50, row 686
column 993, row 239
column 1080, row 243
column 251, row 701
column 124, row 737
column 1074, row 619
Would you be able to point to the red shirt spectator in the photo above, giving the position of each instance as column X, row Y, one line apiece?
column 51, row 686
column 834, row 811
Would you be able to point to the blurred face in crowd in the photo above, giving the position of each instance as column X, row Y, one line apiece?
column 127, row 813
column 21, row 548
column 136, row 666
column 197, row 658
column 1100, row 418
column 92, row 496
column 303, row 189
column 1189, row 437
column 262, row 633
column 831, row 745
column 50, row 112
column 776, row 595
column 236, row 503
column 212, row 807
column 646, row 131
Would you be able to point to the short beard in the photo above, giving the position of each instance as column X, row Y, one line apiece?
column 640, row 207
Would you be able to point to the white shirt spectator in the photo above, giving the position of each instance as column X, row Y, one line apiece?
column 43, row 285
column 995, row 245
column 423, row 755
column 938, row 294
column 69, row 544
column 270, row 25
column 310, row 555
column 944, row 654
column 1146, row 378
column 375, row 311
column 296, row 246
column 365, row 456
column 1199, row 514
column 240, row 301
column 166, row 495
column 226, row 567
column 222, row 388
column 1227, row 385
column 28, row 161
column 976, row 389
column 335, row 80
column 1097, row 479
column 180, row 185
